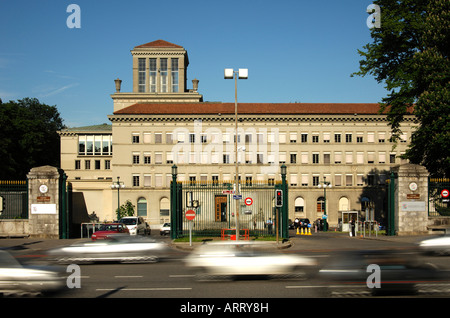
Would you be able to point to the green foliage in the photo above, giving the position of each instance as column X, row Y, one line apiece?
column 28, row 131
column 409, row 54
column 126, row 209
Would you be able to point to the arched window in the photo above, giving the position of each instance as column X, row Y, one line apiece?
column 299, row 205
column 321, row 205
column 142, row 207
column 344, row 204
column 164, row 207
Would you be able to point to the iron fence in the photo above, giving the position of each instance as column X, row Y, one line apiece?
column 13, row 199
column 438, row 198
column 215, row 209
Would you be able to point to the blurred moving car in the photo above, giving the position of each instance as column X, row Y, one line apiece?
column 125, row 249
column 165, row 229
column 438, row 245
column 135, row 224
column 18, row 279
column 400, row 273
column 106, row 231
column 232, row 259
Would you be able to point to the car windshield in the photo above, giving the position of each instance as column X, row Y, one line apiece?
column 109, row 227
column 128, row 221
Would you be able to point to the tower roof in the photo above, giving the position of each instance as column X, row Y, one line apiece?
column 159, row 44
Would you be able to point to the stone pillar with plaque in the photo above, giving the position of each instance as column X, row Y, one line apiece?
column 411, row 198
column 43, row 202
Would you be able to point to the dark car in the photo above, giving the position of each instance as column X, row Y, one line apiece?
column 304, row 223
column 378, row 272
column 106, row 231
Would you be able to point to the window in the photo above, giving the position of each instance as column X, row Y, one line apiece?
column 338, row 157
column 97, row 164
column 293, row 158
column 305, row 180
column 226, row 158
column 320, row 205
column 315, row 181
column 158, row 158
column 87, row 164
column 381, row 137
column 147, row 180
column 141, row 75
column 174, row 75
column 259, row 158
column 147, row 138
column 348, row 138
column 147, row 158
column 348, row 180
column 359, row 138
column 299, row 204
column 135, row 138
column 304, row 138
column 315, row 138
column 77, row 165
column 392, row 158
column 305, row 158
column 164, row 77
column 107, row 164
column 337, row 138
column 337, row 180
column 293, row 180
column 326, row 158
column 142, row 207
column 315, row 158
column 158, row 138
column 152, row 75
column 135, row 158
column 99, row 145
column 135, row 180
column 293, row 137
column 326, row 137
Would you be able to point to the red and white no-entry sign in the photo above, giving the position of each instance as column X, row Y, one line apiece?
column 190, row 215
column 248, row 201
column 445, row 193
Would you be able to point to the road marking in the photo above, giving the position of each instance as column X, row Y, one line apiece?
column 128, row 276
column 177, row 276
column 145, row 289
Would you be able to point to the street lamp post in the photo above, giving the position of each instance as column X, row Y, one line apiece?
column 242, row 73
column 118, row 185
column 326, row 185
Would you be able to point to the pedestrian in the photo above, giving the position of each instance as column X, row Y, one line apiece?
column 269, row 225
column 352, row 227
column 296, row 223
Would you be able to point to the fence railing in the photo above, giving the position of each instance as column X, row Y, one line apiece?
column 13, row 199
column 438, row 202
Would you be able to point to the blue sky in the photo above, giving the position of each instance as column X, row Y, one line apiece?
column 295, row 50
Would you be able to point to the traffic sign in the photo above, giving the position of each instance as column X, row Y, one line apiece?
column 445, row 193
column 248, row 201
column 190, row 215
column 228, row 192
column 237, row 196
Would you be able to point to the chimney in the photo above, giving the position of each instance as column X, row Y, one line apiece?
column 195, row 84
column 118, row 84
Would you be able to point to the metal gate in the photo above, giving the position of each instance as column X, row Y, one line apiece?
column 13, row 199
column 438, row 197
column 215, row 208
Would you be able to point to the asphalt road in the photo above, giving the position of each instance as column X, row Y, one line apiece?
column 170, row 279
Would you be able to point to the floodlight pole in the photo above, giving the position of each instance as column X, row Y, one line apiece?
column 230, row 73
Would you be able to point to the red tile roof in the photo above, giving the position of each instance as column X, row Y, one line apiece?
column 159, row 43
column 249, row 108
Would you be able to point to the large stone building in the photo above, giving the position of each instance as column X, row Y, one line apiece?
column 162, row 123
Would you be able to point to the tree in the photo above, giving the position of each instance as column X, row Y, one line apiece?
column 126, row 209
column 29, row 137
column 409, row 54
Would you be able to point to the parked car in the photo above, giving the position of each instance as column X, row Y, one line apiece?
column 135, row 224
column 124, row 249
column 18, row 279
column 106, row 231
column 165, row 229
column 247, row 259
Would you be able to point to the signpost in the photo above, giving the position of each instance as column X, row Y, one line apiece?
column 248, row 201
column 190, row 215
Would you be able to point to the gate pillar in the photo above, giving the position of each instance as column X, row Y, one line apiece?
column 411, row 200
column 43, row 202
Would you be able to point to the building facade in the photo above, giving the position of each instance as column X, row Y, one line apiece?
column 162, row 123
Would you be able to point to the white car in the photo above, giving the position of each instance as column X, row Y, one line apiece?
column 244, row 258
column 437, row 245
column 135, row 224
column 165, row 229
column 18, row 279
